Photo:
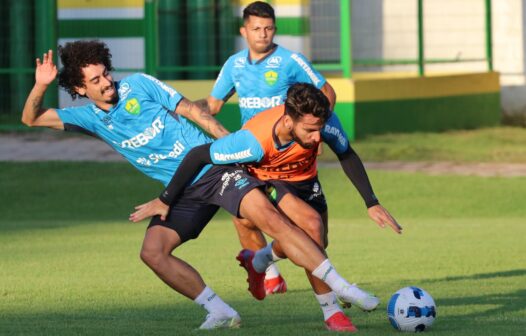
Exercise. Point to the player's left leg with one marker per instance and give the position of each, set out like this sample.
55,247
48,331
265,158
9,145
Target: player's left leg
185,221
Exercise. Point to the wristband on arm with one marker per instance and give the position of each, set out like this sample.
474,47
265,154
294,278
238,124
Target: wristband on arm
353,167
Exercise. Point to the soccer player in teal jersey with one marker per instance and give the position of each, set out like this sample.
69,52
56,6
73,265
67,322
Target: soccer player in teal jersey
145,120
261,76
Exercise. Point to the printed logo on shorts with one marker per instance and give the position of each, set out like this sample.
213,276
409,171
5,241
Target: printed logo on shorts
237,176
316,191
271,192
133,107
271,77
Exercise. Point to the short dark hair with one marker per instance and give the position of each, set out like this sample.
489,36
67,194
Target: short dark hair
77,55
304,98
259,9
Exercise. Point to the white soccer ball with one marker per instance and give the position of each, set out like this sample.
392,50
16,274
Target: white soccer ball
411,309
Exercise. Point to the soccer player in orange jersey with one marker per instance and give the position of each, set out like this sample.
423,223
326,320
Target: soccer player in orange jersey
280,146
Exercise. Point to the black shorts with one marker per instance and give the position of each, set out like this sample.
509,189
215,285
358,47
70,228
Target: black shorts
309,191
220,186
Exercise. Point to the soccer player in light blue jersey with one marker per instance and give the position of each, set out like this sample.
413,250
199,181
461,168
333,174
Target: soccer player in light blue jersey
261,76
146,121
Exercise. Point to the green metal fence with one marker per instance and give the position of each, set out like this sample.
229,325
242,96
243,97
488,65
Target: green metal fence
190,39
421,60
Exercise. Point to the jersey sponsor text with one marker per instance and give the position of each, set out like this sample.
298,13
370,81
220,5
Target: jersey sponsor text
315,80
234,156
335,131
260,102
163,86
143,138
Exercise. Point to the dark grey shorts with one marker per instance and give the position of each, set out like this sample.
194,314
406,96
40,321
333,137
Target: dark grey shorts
309,191
220,186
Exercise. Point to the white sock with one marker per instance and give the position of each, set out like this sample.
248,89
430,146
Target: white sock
327,273
328,304
272,272
263,258
213,303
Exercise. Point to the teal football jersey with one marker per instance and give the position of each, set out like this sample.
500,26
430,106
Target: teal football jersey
142,126
263,84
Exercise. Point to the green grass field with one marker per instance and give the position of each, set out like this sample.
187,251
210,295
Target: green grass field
69,259
497,144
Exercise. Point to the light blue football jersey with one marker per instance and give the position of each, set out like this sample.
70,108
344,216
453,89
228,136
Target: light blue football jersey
142,126
263,84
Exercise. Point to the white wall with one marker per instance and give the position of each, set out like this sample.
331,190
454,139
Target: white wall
452,29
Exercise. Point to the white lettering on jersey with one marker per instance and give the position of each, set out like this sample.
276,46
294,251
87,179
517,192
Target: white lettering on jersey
274,62
315,80
163,86
124,90
258,102
335,131
234,156
143,138
155,158
240,62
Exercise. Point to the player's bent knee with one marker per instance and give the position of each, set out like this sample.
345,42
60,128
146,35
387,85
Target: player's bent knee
151,257
313,226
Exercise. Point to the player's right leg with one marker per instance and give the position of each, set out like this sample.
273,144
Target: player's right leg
252,238
185,221
310,221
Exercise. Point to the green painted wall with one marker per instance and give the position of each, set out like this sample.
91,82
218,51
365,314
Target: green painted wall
431,114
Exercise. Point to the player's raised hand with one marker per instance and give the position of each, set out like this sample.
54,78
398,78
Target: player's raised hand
382,217
46,70
153,208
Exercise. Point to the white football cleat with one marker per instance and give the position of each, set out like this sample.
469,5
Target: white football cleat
217,322
354,295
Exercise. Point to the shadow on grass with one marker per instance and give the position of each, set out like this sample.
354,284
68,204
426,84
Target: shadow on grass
480,276
503,315
179,319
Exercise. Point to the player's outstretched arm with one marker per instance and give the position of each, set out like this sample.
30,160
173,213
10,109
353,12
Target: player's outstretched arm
200,114
354,169
33,113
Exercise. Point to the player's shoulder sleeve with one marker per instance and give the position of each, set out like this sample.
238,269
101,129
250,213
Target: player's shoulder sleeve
79,118
154,89
238,147
224,85
334,135
300,70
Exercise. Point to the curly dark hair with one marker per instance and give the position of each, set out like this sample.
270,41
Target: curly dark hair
77,55
260,9
305,98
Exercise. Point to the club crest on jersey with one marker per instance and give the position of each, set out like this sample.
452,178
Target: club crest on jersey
274,62
271,77
133,107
